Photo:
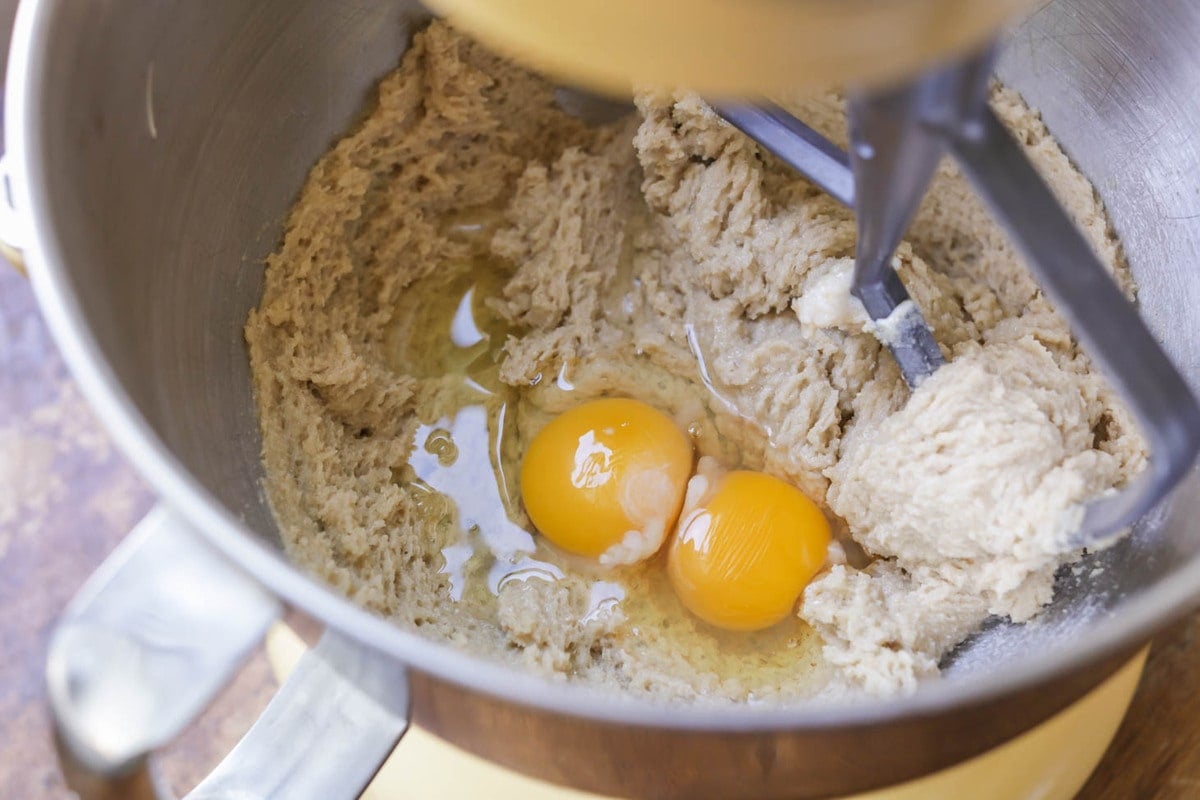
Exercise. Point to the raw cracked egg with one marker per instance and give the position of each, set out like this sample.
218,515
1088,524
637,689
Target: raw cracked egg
745,548
606,479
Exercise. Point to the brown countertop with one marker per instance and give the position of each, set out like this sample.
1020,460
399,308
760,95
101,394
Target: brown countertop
67,497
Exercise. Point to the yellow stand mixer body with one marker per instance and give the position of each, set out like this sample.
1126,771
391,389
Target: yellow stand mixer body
726,48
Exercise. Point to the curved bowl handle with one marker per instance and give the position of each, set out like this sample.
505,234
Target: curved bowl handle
155,633
324,734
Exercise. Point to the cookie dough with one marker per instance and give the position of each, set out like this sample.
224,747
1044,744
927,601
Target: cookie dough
668,258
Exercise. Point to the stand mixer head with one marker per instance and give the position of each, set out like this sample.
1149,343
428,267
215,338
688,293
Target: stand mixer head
732,48
918,73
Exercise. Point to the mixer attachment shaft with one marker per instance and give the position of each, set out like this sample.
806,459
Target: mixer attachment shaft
897,138
893,157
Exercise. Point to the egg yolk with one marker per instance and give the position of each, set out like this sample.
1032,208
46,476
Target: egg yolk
606,479
746,547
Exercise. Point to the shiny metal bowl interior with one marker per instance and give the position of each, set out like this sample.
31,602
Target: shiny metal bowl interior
162,144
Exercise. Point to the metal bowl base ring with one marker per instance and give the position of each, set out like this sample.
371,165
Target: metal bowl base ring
1052,761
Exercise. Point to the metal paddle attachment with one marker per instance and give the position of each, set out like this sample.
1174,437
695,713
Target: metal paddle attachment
897,137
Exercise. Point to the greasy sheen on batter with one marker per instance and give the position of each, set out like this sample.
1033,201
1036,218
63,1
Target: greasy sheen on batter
669,258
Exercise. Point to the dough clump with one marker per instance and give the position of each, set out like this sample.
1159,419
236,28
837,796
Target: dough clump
970,492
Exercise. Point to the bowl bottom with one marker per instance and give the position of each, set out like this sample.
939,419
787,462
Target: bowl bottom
1051,762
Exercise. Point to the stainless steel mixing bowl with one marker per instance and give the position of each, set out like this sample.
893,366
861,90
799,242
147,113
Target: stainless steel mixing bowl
153,151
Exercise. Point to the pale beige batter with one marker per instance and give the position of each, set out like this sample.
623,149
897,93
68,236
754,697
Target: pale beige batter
666,258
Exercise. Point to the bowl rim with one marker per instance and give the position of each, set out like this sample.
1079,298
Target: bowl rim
1131,624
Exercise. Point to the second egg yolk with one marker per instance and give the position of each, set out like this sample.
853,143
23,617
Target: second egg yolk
745,549
606,479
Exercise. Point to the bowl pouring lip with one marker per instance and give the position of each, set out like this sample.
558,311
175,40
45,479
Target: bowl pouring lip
25,112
